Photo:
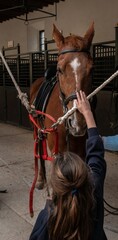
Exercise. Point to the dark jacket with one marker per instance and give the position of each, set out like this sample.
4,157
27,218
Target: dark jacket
95,160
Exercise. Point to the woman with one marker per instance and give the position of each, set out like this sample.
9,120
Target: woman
76,211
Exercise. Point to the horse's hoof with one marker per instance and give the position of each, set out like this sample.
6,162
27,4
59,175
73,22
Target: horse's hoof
40,185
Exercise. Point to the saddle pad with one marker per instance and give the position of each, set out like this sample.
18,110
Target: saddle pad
44,94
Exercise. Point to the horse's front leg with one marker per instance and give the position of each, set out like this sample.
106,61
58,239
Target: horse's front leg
40,172
41,180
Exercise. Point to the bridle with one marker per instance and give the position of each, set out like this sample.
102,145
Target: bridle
70,51
72,96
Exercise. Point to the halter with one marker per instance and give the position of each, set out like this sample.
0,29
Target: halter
72,96
69,51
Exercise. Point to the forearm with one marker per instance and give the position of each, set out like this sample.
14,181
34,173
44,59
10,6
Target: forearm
89,119
95,155
94,144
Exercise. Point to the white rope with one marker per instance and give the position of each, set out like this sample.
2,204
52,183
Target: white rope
72,110
22,96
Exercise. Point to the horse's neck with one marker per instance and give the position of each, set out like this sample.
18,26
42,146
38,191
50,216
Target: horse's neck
34,89
77,145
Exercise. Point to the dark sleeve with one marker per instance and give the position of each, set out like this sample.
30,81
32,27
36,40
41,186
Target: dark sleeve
97,164
40,229
95,156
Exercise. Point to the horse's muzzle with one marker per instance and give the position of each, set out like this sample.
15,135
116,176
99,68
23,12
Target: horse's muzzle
75,128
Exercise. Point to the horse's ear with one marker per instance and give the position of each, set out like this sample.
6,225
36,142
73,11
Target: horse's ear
88,37
58,37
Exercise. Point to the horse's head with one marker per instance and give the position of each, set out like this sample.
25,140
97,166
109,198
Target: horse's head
74,73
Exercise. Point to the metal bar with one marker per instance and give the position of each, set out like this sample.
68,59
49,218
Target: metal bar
39,10
11,8
52,14
4,90
100,43
46,56
31,68
116,46
31,19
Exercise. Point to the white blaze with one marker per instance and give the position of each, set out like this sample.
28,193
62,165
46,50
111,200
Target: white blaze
75,64
75,117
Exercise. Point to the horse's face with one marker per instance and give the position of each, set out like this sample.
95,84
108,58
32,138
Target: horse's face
74,72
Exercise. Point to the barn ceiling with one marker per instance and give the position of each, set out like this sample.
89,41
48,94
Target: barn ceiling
10,9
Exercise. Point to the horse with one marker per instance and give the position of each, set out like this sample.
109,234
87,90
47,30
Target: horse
73,73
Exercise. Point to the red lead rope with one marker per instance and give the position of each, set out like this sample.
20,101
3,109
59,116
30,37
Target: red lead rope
44,146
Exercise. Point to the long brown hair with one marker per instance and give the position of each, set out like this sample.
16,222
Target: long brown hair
71,218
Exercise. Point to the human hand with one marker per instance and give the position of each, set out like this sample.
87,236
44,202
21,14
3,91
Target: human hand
84,107
83,104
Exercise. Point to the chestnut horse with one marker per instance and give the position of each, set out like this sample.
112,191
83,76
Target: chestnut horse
73,73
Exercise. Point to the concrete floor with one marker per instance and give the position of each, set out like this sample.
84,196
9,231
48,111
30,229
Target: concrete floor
16,175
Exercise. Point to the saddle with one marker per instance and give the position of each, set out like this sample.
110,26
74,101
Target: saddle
46,88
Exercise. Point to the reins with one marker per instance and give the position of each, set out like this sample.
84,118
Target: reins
40,149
